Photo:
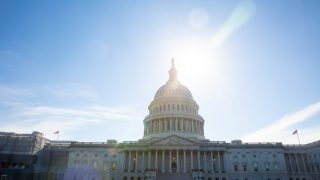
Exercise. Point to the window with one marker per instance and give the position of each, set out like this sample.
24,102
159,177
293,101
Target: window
255,166
113,166
244,167
274,155
105,165
235,167
95,165
267,167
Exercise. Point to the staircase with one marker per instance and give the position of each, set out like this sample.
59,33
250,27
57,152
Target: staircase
174,176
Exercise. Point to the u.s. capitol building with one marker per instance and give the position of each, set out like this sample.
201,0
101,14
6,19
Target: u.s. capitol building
173,147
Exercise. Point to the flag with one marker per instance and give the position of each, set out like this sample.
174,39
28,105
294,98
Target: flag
57,132
295,132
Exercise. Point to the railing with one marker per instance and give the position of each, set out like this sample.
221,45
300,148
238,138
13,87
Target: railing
90,143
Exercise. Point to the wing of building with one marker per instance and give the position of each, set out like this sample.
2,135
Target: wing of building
173,147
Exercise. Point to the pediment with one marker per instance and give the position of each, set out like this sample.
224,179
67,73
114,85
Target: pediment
174,140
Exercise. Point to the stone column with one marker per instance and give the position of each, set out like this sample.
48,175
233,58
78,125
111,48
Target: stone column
212,163
205,161
304,163
219,162
187,125
297,162
191,154
196,127
136,165
178,168
184,161
162,125
142,161
163,151
129,164
182,124
199,166
291,167
156,165
149,159
170,168
165,124
171,129
192,126
176,126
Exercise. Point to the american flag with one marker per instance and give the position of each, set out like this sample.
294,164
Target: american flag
57,132
295,132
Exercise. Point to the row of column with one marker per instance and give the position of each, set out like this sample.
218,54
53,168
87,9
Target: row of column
173,108
132,160
295,164
173,124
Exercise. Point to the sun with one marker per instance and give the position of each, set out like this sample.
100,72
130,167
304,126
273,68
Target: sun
195,61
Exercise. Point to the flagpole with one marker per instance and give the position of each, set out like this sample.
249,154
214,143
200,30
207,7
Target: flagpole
298,137
58,136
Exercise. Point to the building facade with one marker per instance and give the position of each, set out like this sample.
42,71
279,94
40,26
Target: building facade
173,147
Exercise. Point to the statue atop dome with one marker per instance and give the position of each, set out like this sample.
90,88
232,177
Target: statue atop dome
173,72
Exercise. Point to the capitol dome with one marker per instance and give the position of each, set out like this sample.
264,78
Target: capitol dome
173,89
173,112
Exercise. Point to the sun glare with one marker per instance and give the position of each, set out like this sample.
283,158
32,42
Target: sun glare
195,62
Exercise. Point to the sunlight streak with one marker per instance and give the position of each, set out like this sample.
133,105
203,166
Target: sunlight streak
280,130
244,11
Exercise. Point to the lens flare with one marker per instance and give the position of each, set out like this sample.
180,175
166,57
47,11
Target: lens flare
244,11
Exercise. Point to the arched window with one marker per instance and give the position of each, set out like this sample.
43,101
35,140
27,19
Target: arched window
267,166
168,107
114,166
244,166
255,166
275,166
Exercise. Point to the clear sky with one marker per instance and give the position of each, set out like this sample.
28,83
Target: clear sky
90,68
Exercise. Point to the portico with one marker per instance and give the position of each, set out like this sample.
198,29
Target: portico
168,158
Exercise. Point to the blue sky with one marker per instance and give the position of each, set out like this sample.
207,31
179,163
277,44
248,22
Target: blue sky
90,69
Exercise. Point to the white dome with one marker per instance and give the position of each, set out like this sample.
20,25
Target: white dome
173,89
173,111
